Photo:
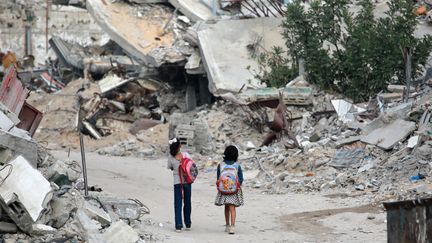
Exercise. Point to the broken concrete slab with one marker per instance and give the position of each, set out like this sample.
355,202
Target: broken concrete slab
394,88
349,140
388,136
194,63
123,208
193,9
344,158
19,146
6,124
389,97
5,155
24,193
136,35
413,141
400,110
291,95
12,116
63,205
8,228
41,229
142,124
120,232
229,73
97,214
111,82
346,110
86,223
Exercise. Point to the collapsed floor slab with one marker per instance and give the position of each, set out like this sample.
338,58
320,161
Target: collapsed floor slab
138,36
19,146
388,136
120,232
240,39
193,9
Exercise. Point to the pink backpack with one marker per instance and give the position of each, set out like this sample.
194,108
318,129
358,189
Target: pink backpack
188,169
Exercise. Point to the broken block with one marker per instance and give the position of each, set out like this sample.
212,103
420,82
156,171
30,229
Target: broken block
97,214
389,135
20,146
8,228
41,229
24,193
120,232
121,208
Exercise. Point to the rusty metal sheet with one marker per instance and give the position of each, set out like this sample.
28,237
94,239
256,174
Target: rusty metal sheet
409,221
12,92
30,118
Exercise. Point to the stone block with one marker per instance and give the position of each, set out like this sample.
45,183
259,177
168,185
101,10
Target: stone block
19,146
120,232
97,213
349,140
389,135
24,193
8,228
226,51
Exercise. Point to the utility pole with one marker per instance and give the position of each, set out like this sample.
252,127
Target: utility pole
407,54
46,25
81,138
28,30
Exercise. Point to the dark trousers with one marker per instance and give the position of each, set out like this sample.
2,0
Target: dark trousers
187,209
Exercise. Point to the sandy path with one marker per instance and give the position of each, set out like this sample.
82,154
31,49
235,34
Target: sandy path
264,218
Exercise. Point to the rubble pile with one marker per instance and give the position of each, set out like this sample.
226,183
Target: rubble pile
380,148
41,198
114,127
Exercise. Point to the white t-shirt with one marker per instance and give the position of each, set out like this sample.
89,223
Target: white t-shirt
173,165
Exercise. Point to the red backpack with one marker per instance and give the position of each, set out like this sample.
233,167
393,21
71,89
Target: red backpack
188,169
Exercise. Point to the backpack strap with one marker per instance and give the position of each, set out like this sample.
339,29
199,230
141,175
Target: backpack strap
180,171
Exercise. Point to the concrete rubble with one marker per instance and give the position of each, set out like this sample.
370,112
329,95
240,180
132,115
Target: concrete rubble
229,73
159,68
38,208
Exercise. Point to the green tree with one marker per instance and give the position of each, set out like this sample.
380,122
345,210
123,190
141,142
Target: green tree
356,54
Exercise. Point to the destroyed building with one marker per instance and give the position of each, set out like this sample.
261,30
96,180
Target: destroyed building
135,73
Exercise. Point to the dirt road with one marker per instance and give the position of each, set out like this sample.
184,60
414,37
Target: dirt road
264,218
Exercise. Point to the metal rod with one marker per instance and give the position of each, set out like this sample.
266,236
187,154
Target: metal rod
83,159
46,26
169,21
408,72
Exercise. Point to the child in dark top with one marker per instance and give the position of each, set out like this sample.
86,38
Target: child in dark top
230,201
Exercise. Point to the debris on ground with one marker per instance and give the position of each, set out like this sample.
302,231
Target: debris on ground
150,70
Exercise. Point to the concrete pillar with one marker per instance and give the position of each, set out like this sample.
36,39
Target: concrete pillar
191,100
205,97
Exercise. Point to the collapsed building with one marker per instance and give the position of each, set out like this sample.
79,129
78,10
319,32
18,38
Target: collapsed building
147,65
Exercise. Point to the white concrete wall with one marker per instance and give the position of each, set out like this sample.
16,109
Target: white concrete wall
70,23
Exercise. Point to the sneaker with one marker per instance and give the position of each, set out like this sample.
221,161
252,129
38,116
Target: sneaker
227,228
178,230
188,227
231,230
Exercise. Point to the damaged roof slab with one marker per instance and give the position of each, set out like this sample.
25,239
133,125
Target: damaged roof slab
229,73
193,9
137,36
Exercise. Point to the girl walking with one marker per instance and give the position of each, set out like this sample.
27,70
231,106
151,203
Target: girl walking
182,190
229,181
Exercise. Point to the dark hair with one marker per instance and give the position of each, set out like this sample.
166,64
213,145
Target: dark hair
174,147
231,153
